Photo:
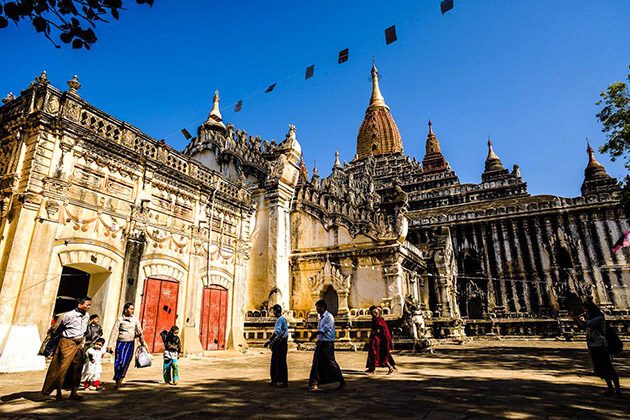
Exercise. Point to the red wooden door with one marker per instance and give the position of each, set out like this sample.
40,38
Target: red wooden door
213,318
159,310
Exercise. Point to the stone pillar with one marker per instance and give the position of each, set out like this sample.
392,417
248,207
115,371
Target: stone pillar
131,270
19,334
392,274
279,246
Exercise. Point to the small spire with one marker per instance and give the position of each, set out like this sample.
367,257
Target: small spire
315,171
74,84
337,163
594,168
215,118
493,162
377,98
433,159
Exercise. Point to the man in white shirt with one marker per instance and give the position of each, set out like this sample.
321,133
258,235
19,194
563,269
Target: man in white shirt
325,369
67,362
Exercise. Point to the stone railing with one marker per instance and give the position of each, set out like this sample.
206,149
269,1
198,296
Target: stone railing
76,111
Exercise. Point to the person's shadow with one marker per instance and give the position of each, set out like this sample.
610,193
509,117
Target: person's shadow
36,396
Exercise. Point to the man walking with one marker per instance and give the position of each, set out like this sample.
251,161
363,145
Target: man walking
325,369
67,361
279,347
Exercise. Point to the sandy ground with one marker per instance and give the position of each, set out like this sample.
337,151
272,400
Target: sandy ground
507,379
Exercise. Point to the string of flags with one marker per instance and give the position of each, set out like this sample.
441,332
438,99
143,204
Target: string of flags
344,55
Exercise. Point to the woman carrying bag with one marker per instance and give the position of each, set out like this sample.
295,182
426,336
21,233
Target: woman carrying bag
124,334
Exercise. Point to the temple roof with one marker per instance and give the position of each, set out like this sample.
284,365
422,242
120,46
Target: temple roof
378,134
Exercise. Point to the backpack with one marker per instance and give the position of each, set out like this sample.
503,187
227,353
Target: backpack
615,345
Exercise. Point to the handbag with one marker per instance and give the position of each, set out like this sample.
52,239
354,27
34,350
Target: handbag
143,358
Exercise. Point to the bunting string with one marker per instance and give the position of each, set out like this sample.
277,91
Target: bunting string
344,55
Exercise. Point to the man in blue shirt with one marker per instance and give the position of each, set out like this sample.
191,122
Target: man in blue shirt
325,369
279,348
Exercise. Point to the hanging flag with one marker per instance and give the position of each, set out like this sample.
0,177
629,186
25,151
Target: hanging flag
446,5
238,106
309,71
343,56
623,242
390,35
270,88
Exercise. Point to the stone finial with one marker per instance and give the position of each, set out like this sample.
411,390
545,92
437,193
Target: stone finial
291,133
10,96
42,78
315,171
337,164
74,84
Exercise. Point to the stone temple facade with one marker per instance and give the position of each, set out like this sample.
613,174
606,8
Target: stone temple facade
209,238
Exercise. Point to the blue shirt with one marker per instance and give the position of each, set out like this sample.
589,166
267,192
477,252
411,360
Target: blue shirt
326,327
281,328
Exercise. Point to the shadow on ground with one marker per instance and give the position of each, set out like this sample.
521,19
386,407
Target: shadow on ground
407,394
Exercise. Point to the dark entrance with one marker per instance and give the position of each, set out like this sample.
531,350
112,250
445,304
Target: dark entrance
73,286
330,296
475,307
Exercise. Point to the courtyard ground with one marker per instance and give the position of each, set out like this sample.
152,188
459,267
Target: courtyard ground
510,379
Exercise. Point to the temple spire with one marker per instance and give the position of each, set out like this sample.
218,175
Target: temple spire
377,97
215,118
337,164
493,162
596,179
594,169
433,159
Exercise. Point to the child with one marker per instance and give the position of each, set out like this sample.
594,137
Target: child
92,369
172,350
93,332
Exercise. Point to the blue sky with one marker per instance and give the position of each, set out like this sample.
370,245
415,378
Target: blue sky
525,72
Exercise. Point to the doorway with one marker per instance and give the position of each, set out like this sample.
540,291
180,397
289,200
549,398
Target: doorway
159,310
330,296
214,310
74,285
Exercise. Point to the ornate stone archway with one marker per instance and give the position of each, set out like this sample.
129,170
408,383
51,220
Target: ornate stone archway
330,275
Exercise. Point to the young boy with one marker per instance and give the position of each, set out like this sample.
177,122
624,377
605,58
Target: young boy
94,331
172,350
92,369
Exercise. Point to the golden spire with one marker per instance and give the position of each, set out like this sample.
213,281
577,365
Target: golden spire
594,168
377,97
432,144
378,133
215,114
